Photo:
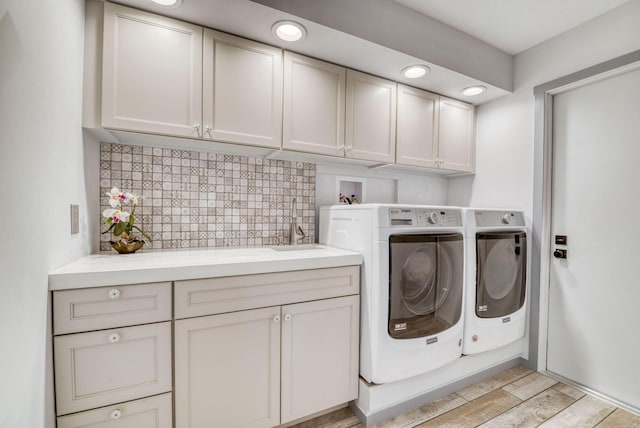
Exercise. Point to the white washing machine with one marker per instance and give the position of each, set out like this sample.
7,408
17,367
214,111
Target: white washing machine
496,290
412,284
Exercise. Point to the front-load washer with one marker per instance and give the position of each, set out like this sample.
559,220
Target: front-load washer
412,284
496,290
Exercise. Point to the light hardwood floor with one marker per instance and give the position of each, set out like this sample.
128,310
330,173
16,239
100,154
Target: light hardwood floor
517,397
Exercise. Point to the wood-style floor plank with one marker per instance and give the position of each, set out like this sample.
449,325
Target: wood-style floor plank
424,413
494,382
569,390
532,412
587,412
530,385
341,418
620,419
474,413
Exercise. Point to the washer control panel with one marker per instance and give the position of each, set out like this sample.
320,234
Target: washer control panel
424,217
499,218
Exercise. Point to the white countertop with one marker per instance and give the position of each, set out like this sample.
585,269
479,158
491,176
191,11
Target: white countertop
154,266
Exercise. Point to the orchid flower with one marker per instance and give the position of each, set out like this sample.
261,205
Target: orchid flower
115,215
121,222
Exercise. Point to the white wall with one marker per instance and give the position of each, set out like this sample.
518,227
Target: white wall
41,174
504,165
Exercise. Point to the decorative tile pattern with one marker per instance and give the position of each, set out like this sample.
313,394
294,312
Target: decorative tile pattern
199,199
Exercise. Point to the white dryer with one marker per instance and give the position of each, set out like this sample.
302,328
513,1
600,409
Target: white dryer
412,284
496,289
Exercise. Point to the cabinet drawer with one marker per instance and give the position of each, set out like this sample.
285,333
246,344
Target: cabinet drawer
235,293
152,412
109,366
108,307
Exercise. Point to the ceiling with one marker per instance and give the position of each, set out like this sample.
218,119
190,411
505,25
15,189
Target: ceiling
382,37
512,26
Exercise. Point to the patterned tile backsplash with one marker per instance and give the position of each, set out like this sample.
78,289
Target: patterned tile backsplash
199,199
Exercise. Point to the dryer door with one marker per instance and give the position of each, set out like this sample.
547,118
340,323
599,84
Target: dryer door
501,273
425,284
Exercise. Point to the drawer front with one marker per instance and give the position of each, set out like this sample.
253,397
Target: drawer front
152,412
235,293
109,366
108,307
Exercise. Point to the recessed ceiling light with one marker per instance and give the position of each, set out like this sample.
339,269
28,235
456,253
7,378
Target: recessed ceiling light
168,3
289,31
473,90
415,71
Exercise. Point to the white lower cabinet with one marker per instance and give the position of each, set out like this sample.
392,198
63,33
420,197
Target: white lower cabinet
264,367
319,356
152,412
109,366
227,370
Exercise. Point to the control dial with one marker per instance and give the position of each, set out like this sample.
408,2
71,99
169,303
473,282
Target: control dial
506,219
432,218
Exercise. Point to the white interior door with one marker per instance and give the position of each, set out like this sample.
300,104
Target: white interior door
594,293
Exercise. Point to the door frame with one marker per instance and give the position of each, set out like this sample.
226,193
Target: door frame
543,192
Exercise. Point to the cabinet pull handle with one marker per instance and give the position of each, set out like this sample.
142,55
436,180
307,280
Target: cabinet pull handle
114,294
113,338
276,318
116,414
287,317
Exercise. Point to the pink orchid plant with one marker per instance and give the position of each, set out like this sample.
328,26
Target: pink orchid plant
121,222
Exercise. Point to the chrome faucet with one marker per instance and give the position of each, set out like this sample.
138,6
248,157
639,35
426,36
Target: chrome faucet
295,231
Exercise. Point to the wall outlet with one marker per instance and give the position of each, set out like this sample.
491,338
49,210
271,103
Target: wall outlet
75,219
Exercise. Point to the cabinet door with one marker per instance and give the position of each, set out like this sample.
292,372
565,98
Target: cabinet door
152,73
227,370
109,366
319,355
242,91
456,142
417,135
314,97
152,412
370,118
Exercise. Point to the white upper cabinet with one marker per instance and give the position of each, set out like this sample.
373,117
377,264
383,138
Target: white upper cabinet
434,131
314,98
417,136
456,136
242,91
370,118
152,73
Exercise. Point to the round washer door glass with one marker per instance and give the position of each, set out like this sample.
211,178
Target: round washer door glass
422,289
501,273
426,278
501,269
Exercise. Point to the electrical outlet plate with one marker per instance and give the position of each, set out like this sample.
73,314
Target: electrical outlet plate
75,219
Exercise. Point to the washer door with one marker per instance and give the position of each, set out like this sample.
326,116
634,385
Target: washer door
501,273
425,284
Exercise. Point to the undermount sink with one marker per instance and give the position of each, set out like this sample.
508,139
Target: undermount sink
295,247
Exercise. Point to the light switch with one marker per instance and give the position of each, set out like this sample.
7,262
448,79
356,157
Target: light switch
75,219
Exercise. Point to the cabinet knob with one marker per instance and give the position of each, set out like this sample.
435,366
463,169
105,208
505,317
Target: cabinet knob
114,294
116,414
113,338
349,149
342,148
287,317
276,318
196,127
208,129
